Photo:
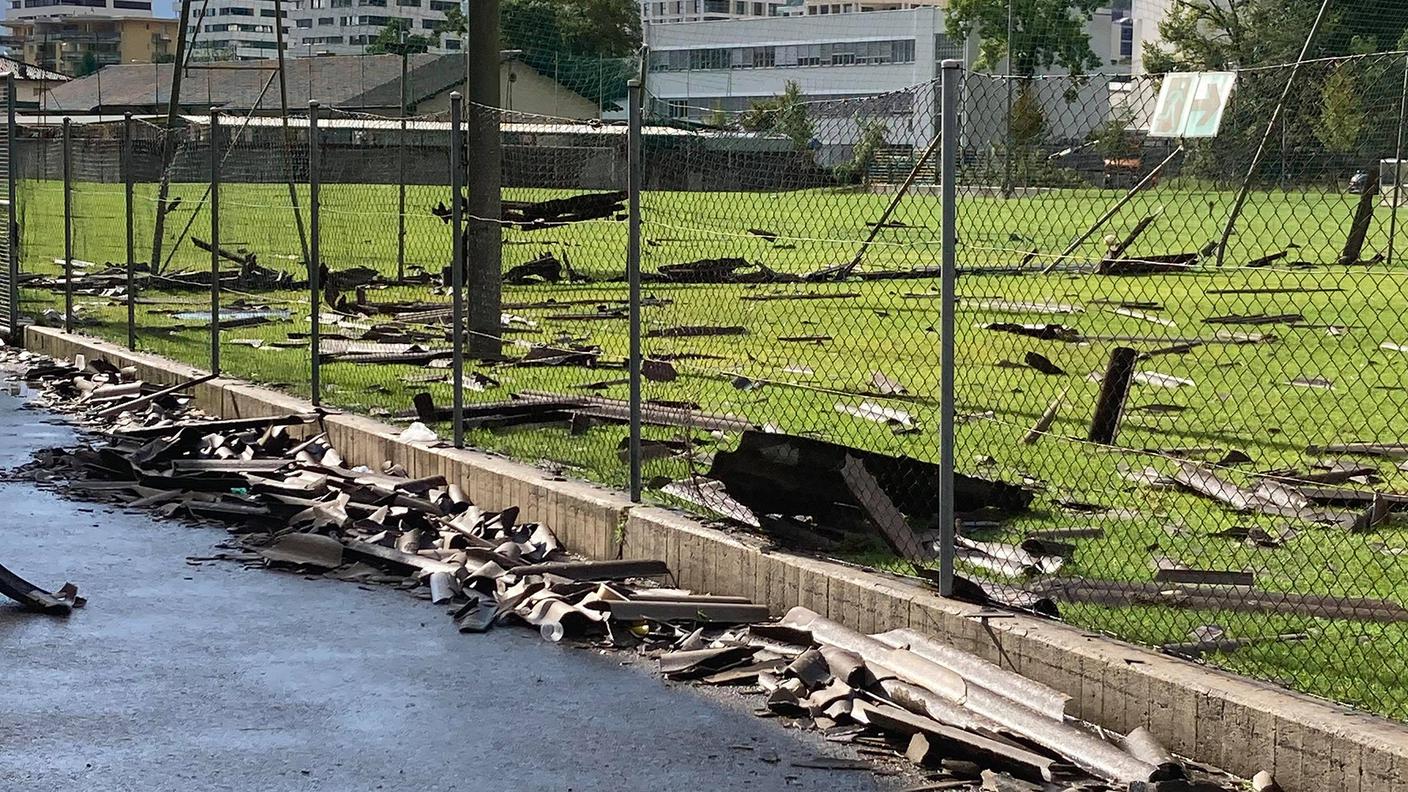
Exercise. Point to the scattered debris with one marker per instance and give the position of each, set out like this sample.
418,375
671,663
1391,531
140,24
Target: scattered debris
772,473
1045,332
1114,389
1157,380
720,270
695,331
898,420
1144,317
544,269
886,385
418,432
1047,418
529,215
1228,598
57,603
1255,319
1205,642
1169,571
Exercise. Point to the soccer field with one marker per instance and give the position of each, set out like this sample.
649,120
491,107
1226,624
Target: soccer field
1270,391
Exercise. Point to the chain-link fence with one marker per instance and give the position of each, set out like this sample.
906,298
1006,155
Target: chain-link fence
1180,364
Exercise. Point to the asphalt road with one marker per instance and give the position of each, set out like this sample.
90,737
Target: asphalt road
217,677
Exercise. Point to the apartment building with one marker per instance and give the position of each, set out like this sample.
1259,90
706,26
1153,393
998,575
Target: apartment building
665,12
79,44
346,27
702,68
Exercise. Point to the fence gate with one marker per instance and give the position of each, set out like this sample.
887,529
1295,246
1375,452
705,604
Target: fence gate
9,240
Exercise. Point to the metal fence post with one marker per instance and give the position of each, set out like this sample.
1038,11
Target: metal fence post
1398,167
12,211
401,174
214,242
127,185
315,256
68,225
952,73
633,168
401,205
457,261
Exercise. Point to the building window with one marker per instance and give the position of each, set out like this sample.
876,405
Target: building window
946,48
132,5
851,53
678,108
304,23
452,44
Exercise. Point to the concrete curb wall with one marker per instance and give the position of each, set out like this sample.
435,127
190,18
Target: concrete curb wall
1211,716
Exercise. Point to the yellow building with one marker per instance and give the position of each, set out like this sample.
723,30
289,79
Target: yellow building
79,45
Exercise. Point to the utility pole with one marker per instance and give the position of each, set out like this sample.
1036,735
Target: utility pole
484,237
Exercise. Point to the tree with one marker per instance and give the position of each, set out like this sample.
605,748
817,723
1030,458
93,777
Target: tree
88,65
1028,120
870,138
587,45
1045,33
1343,118
1113,139
786,115
453,24
1324,110
396,39
1200,35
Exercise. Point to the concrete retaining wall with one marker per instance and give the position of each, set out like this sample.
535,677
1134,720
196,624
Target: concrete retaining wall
1210,716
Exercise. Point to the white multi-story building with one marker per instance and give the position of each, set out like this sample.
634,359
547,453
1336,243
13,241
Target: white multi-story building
25,9
236,30
244,29
1145,16
346,27
666,12
700,69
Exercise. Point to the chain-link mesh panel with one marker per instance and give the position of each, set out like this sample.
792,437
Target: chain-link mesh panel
40,216
564,319
386,249
1213,440
790,289
263,250
99,217
171,181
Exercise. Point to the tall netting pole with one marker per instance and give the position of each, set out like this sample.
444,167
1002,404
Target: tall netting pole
401,176
68,225
485,181
315,263
1241,201
952,74
12,210
131,220
214,241
457,263
633,167
1398,167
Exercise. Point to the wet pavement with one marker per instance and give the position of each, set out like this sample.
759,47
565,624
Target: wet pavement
216,677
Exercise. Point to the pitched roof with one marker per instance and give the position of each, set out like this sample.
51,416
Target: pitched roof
27,71
347,81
